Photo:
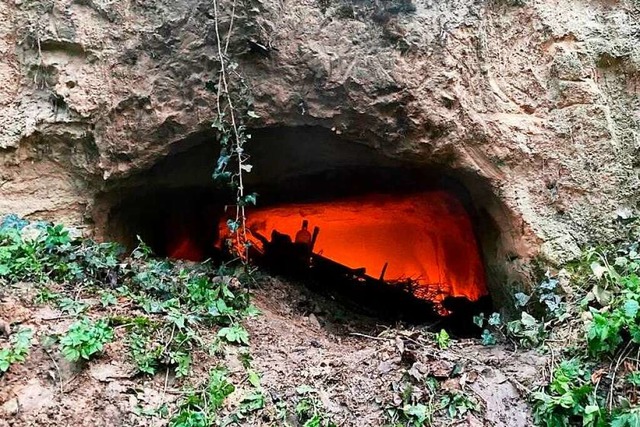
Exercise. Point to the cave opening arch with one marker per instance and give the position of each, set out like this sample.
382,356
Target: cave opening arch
313,170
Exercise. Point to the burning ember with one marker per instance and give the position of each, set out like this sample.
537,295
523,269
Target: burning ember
423,239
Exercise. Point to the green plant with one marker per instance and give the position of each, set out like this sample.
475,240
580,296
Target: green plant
235,334
570,399
199,408
614,300
309,409
252,402
107,299
620,318
146,353
18,349
416,415
548,294
45,295
528,331
628,417
182,360
494,322
178,305
71,306
546,302
443,340
85,338
457,404
20,259
611,308
38,252
415,404
488,338
634,378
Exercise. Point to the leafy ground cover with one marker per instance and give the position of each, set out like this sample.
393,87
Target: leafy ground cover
136,340
165,313
593,381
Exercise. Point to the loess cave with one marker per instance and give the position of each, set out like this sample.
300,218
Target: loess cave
397,239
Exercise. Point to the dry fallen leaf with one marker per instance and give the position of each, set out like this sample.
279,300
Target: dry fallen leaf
595,377
441,369
452,384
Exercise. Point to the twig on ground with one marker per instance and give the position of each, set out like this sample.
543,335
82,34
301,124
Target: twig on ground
622,356
57,369
64,316
357,334
72,379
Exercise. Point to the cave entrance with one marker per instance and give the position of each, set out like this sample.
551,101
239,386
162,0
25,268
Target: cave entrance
405,240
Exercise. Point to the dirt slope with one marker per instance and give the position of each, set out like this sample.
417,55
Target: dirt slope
358,369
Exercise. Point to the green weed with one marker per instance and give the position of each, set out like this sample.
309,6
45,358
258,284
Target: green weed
200,408
309,410
569,399
443,340
457,404
17,350
611,307
85,339
235,334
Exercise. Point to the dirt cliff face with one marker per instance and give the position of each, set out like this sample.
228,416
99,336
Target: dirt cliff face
541,100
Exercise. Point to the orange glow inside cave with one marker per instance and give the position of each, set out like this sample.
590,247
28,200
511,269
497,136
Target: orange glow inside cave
426,238
184,248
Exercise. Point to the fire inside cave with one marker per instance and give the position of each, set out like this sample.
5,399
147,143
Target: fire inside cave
425,240
418,249
404,242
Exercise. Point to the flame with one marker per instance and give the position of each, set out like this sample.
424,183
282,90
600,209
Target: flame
426,237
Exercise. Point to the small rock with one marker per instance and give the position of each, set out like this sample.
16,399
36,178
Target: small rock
314,321
35,396
624,213
11,407
451,384
387,366
106,372
5,328
418,371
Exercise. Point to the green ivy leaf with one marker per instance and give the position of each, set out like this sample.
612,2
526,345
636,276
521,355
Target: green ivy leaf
495,319
233,225
418,412
631,308
443,340
234,334
488,338
479,320
521,299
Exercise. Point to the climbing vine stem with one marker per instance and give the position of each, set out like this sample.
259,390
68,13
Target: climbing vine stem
232,163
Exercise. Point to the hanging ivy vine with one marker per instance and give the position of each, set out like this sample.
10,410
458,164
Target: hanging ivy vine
233,105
